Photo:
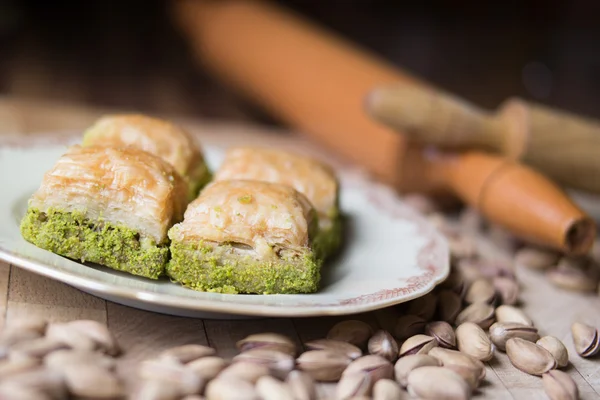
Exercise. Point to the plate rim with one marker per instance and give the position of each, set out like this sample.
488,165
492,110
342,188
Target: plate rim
424,283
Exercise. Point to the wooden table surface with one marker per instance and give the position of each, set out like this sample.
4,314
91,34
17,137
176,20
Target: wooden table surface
143,334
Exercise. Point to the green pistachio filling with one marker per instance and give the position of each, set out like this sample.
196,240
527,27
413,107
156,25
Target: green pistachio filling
328,241
221,269
72,235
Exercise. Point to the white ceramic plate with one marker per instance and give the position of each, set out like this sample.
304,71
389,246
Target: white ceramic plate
391,254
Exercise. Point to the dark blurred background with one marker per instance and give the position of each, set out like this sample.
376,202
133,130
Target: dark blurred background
128,54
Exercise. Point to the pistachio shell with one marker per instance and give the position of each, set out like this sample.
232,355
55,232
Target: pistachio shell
280,364
92,381
556,348
448,384
500,332
351,331
442,332
164,370
481,291
383,344
41,380
506,313
418,344
358,383
529,357
269,388
208,367
406,364
323,365
574,277
449,306
377,367
452,357
268,340
408,325
470,375
186,353
559,386
535,258
301,385
423,307
507,288
245,371
480,313
337,346
99,333
473,340
230,389
387,389
585,339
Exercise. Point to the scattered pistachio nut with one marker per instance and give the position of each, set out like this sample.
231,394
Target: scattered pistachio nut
15,392
358,383
480,313
269,388
346,348
536,258
377,367
560,386
418,344
269,340
207,367
323,365
155,390
556,348
501,332
407,326
449,306
383,344
442,332
186,353
585,339
506,313
36,348
434,383
507,288
42,380
280,364
574,276
92,381
529,357
470,375
481,291
351,331
387,389
470,270
406,364
230,389
423,307
98,332
472,340
452,357
302,385
166,370
245,371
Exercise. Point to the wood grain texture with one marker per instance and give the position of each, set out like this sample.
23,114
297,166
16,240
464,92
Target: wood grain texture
4,277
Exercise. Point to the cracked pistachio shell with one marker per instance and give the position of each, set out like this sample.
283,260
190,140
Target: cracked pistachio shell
245,371
230,389
473,340
387,389
383,344
358,383
269,388
187,353
351,331
480,313
470,375
418,344
585,339
280,364
437,383
302,385
323,365
508,289
481,291
529,357
268,340
501,332
559,386
442,332
535,258
337,346
452,357
377,367
556,348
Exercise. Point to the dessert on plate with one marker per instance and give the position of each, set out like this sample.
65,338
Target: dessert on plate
108,205
156,136
245,236
308,176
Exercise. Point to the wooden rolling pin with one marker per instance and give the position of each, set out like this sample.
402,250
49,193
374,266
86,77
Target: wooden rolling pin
317,83
564,146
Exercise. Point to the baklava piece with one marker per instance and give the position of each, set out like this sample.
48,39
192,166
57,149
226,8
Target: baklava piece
110,206
242,236
310,177
155,136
